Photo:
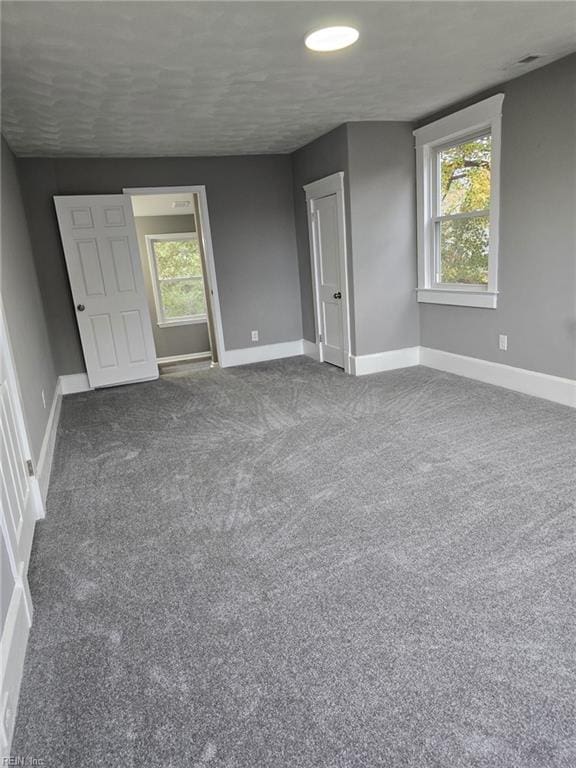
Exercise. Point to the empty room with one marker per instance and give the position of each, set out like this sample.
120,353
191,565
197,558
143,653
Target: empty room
288,384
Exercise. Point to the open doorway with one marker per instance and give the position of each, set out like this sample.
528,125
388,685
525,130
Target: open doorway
177,263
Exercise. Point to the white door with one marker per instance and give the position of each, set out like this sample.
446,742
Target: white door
103,261
21,506
327,259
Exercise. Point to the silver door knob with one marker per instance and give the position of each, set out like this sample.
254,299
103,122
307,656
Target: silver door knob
337,295
80,307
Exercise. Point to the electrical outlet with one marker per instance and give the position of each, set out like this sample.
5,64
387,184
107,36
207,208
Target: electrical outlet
503,342
254,335
43,399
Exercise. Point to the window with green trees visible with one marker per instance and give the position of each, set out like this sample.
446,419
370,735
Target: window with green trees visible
462,221
178,278
458,202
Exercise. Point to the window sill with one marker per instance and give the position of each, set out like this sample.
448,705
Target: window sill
187,321
463,297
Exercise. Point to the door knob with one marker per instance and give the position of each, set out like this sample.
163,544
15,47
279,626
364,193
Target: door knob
337,295
80,307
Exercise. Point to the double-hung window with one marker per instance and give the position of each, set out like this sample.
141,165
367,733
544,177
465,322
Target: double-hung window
177,278
458,166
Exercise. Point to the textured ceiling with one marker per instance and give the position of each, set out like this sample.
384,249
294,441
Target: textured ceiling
188,78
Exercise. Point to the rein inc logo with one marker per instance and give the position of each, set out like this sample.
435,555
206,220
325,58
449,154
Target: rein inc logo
22,760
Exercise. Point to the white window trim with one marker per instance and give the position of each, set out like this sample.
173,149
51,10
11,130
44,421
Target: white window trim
161,321
485,115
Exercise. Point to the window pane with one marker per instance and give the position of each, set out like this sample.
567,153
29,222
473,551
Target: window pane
177,258
465,176
183,298
464,250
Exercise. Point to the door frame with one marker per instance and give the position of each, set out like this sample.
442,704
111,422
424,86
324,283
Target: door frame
200,191
19,613
12,379
330,185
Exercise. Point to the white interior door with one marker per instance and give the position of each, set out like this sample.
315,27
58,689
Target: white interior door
327,258
21,506
103,261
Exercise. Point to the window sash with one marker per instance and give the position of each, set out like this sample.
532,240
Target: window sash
436,173
180,279
436,217
436,251
158,281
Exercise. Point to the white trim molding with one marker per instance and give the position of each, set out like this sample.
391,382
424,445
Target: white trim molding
483,299
554,388
13,645
329,185
44,465
361,365
184,358
73,383
485,117
261,353
310,349
201,211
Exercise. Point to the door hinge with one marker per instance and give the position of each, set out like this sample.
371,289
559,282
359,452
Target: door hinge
30,467
320,337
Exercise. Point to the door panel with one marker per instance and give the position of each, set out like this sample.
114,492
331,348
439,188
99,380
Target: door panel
107,284
327,245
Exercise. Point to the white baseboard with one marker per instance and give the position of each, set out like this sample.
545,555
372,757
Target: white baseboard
184,358
44,466
73,383
261,353
310,349
360,365
554,388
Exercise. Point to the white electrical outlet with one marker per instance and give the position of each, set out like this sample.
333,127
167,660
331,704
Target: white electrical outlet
254,335
43,399
503,342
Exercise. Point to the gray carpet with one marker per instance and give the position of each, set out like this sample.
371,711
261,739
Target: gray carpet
280,566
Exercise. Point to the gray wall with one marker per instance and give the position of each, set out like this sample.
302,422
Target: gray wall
383,232
537,263
23,309
378,162
179,339
252,221
322,157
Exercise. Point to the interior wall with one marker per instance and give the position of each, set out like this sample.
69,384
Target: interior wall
382,191
322,157
252,222
178,339
24,309
379,165
537,260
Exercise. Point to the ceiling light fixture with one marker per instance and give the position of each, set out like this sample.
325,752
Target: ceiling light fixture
331,38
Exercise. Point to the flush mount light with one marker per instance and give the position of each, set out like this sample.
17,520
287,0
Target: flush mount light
331,38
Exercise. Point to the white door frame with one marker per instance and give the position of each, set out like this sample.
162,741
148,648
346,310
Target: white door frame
14,633
200,191
330,185
18,412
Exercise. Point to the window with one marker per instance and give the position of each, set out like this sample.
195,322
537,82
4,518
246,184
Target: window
177,278
458,163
